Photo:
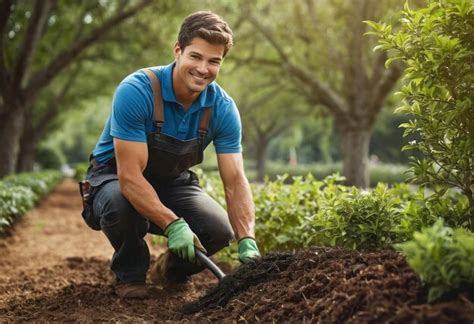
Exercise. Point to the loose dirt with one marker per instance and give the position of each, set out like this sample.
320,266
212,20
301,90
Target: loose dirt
54,268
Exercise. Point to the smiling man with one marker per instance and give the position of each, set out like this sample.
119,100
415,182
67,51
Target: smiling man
139,180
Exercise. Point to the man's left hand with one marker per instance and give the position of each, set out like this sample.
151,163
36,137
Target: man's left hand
248,250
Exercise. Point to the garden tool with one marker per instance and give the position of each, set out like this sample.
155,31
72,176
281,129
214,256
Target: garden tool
208,263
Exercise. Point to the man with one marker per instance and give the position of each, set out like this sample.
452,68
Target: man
162,119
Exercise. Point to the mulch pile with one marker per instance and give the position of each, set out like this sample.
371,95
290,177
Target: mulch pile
327,285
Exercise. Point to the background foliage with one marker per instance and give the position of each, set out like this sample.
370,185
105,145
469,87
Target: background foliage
282,120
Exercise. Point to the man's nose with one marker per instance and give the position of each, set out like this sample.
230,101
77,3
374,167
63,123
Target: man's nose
202,67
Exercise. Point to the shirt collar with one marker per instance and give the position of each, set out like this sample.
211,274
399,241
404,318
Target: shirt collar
205,98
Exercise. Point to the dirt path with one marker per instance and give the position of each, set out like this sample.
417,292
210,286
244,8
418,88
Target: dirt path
53,267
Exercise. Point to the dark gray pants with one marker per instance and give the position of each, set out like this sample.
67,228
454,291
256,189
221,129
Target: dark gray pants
125,228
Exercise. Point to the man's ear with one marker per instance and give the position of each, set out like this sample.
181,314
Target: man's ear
177,50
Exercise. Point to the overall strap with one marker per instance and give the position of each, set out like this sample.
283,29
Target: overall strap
158,101
204,125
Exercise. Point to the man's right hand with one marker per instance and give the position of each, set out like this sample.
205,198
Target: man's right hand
182,241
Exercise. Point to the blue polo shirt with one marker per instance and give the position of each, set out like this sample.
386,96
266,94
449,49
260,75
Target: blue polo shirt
133,115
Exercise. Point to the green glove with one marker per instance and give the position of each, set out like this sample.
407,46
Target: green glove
182,241
248,250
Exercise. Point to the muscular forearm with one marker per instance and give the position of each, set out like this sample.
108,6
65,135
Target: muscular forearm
143,197
241,208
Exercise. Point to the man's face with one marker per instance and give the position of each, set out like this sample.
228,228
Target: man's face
196,66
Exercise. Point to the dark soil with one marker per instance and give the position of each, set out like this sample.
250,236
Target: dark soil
328,285
53,268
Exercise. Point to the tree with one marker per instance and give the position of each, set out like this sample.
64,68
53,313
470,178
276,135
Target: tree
322,50
41,118
43,39
265,118
437,44
267,109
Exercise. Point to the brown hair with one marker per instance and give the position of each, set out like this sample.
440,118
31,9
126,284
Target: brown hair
208,26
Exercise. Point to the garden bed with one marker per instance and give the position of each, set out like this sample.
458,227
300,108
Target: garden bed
56,269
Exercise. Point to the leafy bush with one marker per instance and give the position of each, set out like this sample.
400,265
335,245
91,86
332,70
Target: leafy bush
14,202
19,193
442,257
39,182
421,210
283,210
309,212
436,43
369,218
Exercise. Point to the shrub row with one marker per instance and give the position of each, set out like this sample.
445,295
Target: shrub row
326,213
310,212
19,193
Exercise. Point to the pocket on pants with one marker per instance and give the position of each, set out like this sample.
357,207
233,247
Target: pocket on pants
91,221
96,181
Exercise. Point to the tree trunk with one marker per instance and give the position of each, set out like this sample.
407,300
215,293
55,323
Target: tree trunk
355,151
471,209
11,126
262,143
27,153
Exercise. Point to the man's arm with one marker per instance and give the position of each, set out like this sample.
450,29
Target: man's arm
240,206
132,158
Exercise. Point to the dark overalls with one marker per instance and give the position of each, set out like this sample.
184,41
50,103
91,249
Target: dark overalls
167,170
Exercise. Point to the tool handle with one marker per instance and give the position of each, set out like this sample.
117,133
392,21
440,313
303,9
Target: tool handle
210,265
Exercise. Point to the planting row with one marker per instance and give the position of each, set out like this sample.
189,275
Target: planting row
19,193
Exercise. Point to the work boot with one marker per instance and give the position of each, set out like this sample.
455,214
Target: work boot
160,269
161,274
137,290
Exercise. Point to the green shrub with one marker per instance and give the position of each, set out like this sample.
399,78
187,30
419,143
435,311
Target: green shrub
19,193
40,183
436,43
369,218
304,212
326,213
14,202
282,210
421,210
442,257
